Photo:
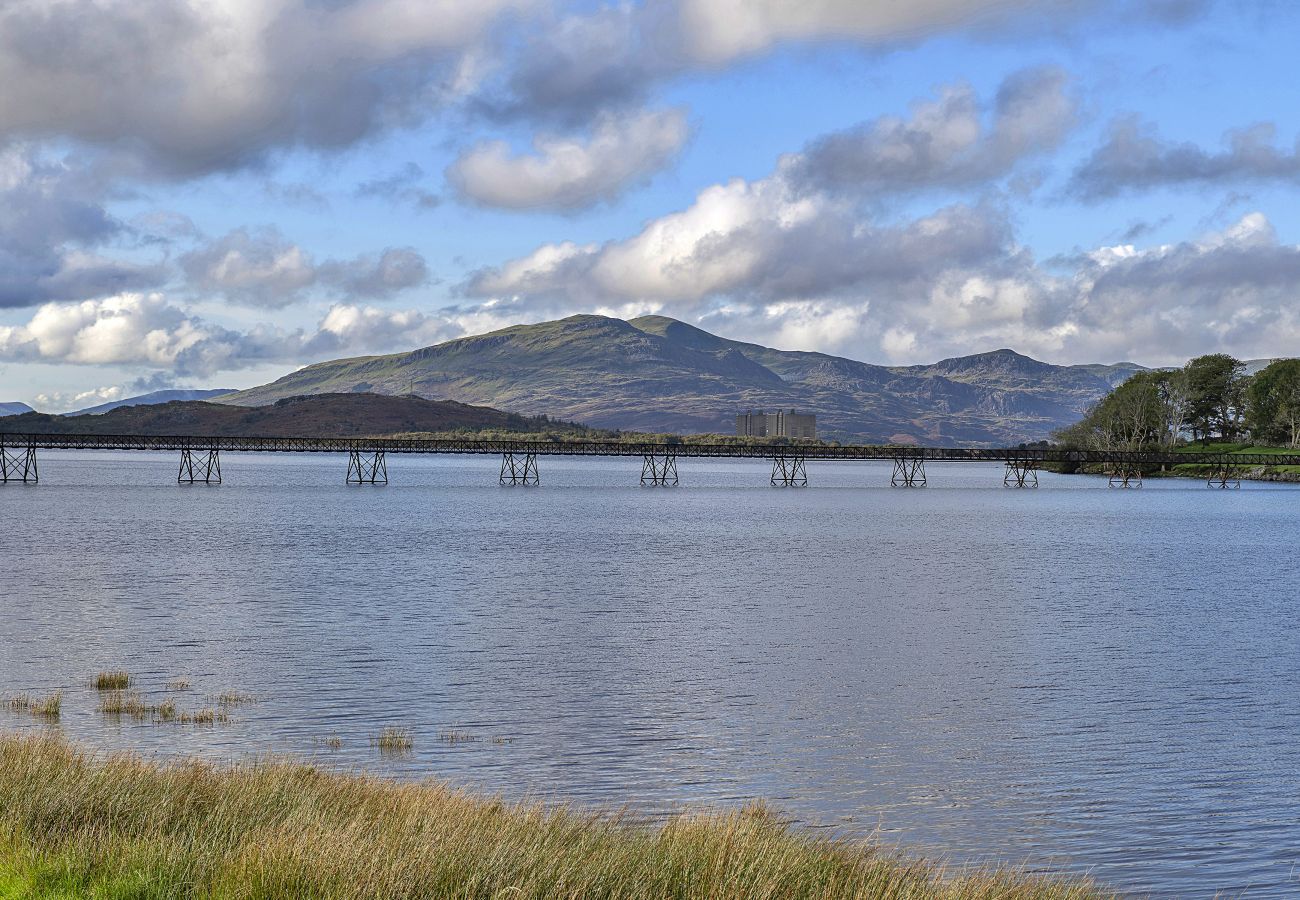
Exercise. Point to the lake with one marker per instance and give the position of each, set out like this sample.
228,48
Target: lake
1075,678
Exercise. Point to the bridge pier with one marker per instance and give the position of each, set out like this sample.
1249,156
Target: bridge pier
789,472
207,469
659,471
909,471
1224,476
367,468
1125,476
1021,473
515,471
19,465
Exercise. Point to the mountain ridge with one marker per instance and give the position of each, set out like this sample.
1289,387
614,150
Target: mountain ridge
654,373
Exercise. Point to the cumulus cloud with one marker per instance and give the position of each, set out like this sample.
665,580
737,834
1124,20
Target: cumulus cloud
264,268
609,56
193,87
1134,158
568,173
720,30
393,271
946,141
52,220
260,268
153,333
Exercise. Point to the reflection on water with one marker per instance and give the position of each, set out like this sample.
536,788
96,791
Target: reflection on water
1075,677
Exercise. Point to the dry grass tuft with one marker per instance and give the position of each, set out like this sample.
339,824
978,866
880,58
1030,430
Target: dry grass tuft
47,707
393,740
112,681
74,824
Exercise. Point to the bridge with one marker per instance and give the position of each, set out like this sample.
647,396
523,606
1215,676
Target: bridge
200,457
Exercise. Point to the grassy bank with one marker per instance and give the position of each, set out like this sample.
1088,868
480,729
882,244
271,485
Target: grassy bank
73,824
1264,473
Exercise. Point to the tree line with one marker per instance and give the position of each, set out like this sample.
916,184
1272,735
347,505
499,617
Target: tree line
1209,399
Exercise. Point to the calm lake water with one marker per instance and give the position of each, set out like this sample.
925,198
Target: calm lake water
1074,677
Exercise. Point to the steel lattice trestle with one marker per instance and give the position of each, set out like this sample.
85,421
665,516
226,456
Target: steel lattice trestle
19,465
659,470
789,472
514,471
1021,473
1224,476
207,470
909,471
367,468
1125,476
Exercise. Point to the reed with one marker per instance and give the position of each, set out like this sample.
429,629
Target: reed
76,824
393,740
47,707
112,681
234,698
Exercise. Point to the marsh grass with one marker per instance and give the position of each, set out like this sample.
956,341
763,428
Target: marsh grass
204,716
116,680
393,740
75,824
123,703
47,707
234,698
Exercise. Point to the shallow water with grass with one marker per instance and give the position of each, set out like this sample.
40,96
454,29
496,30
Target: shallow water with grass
1073,678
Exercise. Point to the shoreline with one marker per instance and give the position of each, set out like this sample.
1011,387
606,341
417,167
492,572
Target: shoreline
75,822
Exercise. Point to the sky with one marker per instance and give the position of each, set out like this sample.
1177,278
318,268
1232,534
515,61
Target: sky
212,194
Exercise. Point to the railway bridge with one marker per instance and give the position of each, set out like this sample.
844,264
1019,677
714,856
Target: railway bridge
367,458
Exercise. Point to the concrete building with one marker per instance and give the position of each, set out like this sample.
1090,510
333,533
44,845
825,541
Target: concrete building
781,423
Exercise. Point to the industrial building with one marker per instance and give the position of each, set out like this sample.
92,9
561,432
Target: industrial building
781,423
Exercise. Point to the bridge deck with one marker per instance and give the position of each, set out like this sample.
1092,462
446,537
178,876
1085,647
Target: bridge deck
617,448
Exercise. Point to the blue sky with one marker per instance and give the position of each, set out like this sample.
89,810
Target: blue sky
211,195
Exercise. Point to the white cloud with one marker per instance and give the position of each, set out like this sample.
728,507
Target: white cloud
570,173
195,86
263,268
720,30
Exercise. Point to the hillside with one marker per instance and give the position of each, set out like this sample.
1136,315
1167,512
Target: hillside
657,374
14,408
150,399
331,415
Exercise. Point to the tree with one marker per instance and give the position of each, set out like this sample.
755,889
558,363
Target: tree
1131,417
1273,404
1216,395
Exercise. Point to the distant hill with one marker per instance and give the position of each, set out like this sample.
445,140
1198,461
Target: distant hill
658,374
14,409
322,415
150,399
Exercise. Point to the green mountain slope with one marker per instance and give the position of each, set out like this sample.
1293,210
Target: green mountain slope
658,374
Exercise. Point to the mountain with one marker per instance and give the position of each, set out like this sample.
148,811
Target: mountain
658,374
322,415
149,399
14,409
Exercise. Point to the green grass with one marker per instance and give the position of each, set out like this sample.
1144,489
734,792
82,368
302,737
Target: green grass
112,681
74,824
